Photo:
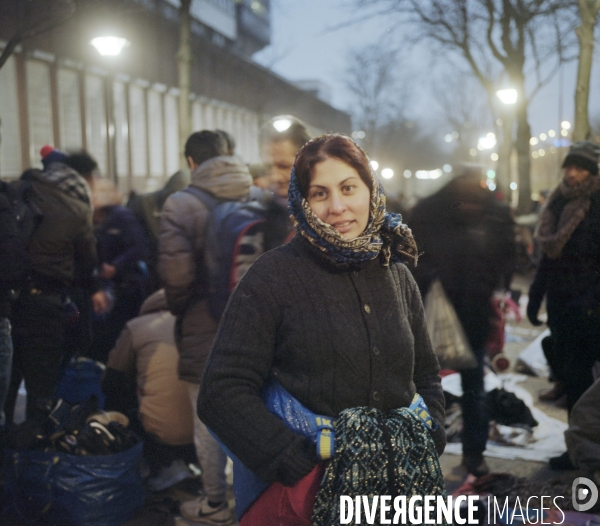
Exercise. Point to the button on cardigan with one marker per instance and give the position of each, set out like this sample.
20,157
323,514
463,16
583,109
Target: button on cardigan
298,317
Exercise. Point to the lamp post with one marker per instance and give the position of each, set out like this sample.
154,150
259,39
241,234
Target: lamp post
111,46
508,97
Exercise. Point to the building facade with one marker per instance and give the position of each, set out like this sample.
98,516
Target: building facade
56,88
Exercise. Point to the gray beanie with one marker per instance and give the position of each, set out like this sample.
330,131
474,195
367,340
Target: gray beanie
584,154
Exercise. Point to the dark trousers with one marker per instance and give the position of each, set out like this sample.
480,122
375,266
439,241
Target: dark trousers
475,415
577,345
159,455
38,333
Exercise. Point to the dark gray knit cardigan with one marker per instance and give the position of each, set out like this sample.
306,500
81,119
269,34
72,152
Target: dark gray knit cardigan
335,339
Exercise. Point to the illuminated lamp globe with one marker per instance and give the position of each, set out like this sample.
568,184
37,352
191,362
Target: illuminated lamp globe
507,96
109,46
282,124
387,173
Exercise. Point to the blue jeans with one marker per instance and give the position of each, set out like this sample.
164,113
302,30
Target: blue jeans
6,354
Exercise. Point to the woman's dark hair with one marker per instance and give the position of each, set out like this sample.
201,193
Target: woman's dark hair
326,147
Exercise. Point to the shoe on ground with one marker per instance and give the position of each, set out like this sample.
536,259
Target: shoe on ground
552,395
169,476
475,464
199,510
561,463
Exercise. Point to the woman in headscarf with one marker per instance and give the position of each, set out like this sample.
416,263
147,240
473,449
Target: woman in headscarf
334,317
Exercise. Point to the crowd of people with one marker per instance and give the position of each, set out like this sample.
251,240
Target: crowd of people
327,312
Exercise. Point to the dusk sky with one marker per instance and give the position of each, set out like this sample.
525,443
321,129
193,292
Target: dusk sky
307,49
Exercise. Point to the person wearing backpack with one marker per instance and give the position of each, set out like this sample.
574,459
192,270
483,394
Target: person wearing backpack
13,263
62,241
215,177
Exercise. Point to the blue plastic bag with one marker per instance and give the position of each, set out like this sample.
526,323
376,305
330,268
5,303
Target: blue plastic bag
103,490
247,487
80,380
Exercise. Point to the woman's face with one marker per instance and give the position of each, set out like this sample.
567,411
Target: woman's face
339,197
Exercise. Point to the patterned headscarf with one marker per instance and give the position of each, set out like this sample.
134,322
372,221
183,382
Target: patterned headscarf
385,234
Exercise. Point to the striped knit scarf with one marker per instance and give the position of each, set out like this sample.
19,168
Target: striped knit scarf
386,235
377,454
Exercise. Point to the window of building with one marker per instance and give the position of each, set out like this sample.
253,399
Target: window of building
197,117
172,134
95,121
69,109
10,137
210,122
137,120
39,106
121,133
156,134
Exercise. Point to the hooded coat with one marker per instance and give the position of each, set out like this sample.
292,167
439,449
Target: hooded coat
63,245
181,257
146,350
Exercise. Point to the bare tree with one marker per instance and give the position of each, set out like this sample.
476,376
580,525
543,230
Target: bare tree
595,126
464,110
378,96
35,17
589,10
184,64
514,39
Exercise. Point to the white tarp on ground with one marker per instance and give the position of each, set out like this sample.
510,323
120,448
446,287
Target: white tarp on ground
533,356
548,436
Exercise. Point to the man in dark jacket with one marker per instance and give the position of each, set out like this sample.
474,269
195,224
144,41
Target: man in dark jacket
63,240
122,252
147,209
467,242
569,273
13,265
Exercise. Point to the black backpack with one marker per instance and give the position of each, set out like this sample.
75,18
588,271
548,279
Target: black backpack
23,203
25,208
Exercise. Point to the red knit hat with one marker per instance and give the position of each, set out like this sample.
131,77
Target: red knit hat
46,150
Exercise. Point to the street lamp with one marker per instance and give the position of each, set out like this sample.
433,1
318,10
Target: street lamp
508,96
487,142
282,124
109,46
387,173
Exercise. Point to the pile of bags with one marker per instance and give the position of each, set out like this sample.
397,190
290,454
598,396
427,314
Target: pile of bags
78,467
